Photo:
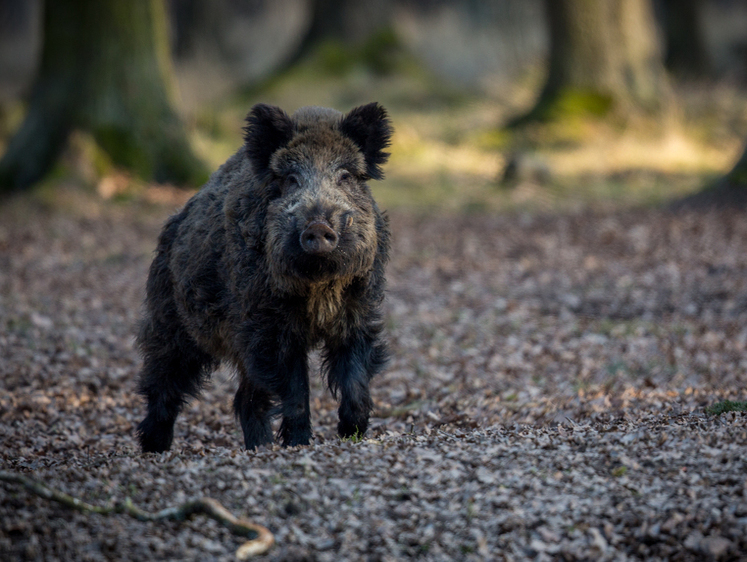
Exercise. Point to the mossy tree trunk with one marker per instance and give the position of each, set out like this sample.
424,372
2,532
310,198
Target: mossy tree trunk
348,22
105,68
686,52
738,176
729,190
604,56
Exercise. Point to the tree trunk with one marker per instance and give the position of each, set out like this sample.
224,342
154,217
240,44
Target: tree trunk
686,52
105,68
604,56
730,190
738,176
348,22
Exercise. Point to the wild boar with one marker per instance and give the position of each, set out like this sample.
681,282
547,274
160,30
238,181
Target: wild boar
282,251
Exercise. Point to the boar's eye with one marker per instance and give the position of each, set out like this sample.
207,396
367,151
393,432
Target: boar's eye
292,181
345,177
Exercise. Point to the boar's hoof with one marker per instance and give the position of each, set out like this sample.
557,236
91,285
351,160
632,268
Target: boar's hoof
155,437
318,238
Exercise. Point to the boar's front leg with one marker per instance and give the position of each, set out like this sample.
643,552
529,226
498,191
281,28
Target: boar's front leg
351,364
278,364
252,406
295,429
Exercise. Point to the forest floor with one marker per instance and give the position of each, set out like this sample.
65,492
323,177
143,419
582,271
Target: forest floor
556,345
546,399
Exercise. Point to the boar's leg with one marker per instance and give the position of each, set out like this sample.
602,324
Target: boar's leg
350,366
279,365
252,406
295,428
173,370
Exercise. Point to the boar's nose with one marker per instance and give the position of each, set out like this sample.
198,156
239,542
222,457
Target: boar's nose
318,238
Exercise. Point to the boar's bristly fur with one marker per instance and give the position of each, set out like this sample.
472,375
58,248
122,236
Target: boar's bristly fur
283,250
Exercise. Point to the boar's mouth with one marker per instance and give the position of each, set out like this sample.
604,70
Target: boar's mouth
316,250
317,267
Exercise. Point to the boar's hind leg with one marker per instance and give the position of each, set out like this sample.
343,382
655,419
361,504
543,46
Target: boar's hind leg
174,369
252,406
350,366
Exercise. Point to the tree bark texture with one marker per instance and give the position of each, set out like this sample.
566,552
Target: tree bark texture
604,55
349,22
686,52
105,68
738,175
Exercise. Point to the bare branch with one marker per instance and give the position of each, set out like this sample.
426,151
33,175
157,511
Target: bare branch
261,543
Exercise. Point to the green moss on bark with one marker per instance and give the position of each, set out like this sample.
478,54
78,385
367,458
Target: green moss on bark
726,406
604,61
570,104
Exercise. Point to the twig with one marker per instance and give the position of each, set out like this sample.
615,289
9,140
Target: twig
207,506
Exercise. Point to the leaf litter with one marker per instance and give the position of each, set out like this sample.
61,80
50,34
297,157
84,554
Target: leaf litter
546,398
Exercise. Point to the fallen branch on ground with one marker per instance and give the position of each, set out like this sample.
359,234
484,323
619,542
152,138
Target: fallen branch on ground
207,506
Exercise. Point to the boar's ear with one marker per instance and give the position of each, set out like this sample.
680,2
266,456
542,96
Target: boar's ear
369,127
268,128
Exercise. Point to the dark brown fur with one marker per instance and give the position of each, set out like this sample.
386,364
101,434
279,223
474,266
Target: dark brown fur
281,251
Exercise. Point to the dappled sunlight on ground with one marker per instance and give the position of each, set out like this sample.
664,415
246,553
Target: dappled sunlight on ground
673,153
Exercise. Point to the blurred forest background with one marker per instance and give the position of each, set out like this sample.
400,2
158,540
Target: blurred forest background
496,103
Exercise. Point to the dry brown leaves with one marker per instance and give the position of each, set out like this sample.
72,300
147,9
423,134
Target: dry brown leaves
545,399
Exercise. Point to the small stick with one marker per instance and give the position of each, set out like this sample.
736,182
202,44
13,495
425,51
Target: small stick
206,506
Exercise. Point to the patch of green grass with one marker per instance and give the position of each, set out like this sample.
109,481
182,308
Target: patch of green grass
726,406
620,471
357,437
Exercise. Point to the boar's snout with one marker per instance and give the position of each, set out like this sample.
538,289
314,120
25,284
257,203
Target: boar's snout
318,238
